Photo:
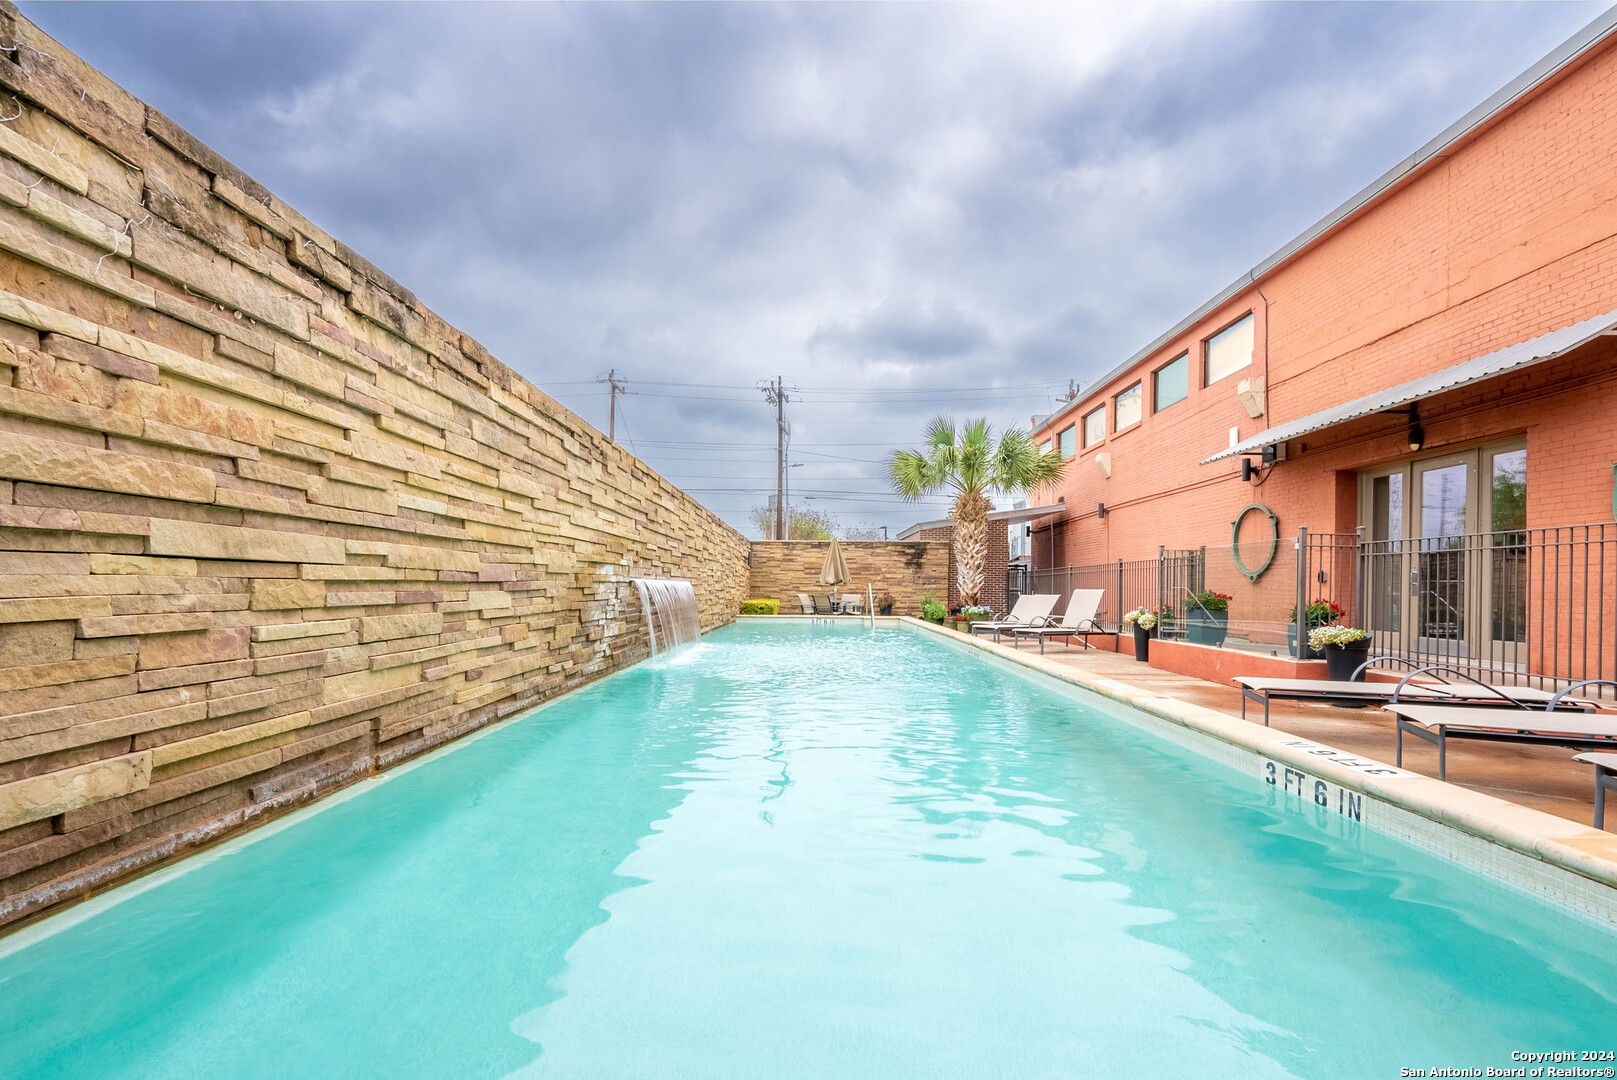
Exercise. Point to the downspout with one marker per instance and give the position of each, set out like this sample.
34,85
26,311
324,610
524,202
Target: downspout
1267,419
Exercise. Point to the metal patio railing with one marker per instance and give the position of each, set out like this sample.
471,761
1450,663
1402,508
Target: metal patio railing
1525,607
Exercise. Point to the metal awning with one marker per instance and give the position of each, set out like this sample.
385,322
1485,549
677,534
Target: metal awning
1028,513
1512,358
1022,513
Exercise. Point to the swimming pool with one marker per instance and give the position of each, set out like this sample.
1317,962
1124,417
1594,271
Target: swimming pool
805,849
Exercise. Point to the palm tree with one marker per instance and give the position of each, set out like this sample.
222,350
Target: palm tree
969,463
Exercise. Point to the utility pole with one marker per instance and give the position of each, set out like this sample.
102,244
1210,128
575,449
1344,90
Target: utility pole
619,386
775,394
1072,390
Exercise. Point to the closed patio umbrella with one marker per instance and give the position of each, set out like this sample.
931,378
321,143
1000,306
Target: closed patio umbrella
835,570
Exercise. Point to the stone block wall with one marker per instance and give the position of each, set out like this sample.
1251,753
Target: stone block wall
267,523
908,569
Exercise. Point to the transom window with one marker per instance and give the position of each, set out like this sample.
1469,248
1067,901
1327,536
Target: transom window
1171,382
1126,408
1094,427
1228,351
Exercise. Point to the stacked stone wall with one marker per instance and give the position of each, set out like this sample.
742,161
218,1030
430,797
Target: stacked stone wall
908,569
267,523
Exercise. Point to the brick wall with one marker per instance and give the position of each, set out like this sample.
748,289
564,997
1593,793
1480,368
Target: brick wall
1501,239
995,564
266,522
908,569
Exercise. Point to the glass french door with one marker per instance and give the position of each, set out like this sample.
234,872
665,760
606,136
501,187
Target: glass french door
1442,559
1445,556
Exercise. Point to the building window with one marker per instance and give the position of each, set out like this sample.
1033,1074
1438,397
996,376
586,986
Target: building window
1095,427
1171,383
1046,446
1067,447
1228,351
1126,409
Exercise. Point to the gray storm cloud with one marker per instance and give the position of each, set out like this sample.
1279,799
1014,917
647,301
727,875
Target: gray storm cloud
905,209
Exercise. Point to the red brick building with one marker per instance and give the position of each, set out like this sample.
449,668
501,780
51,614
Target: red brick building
1425,381
995,566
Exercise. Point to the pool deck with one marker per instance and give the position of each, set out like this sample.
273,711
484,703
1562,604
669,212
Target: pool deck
1541,777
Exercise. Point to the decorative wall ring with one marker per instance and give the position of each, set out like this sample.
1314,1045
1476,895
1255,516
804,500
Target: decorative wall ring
1235,540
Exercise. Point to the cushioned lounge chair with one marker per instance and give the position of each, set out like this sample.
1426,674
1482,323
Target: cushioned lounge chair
1437,724
1030,610
1077,621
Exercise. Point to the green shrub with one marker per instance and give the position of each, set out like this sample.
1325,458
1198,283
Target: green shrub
932,608
760,607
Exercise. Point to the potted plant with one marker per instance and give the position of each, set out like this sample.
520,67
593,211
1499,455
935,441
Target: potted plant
886,603
932,609
1346,648
1144,624
1317,614
1208,617
969,614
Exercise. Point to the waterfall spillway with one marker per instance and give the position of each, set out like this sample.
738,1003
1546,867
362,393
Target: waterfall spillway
670,607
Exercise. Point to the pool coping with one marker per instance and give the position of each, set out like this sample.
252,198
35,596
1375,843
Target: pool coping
1569,865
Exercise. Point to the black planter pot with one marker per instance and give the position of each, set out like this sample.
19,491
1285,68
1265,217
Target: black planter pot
887,609
1341,661
1207,627
1142,643
1291,644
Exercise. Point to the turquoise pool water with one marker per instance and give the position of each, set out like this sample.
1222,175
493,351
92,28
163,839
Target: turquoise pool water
805,850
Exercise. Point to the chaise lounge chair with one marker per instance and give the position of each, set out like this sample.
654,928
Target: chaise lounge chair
808,603
853,604
1078,621
1030,610
1437,724
1477,694
1605,780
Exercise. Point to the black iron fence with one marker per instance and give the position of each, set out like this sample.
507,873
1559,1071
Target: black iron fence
1525,607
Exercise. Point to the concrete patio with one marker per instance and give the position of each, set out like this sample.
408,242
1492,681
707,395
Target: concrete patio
1541,777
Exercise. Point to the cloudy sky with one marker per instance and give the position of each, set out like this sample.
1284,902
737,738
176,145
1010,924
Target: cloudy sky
903,210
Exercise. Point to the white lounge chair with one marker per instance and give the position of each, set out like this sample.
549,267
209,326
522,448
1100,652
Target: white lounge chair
1262,691
1077,621
852,604
1437,724
1605,780
807,602
1030,610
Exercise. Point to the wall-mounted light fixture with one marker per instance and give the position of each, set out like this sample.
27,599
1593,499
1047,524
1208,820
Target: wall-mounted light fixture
1248,470
1417,434
1100,510
1103,462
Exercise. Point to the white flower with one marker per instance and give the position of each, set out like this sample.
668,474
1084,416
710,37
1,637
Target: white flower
1340,636
1146,620
1134,616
